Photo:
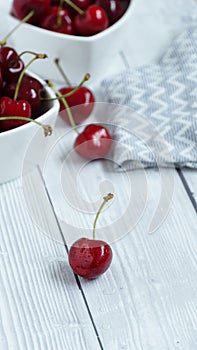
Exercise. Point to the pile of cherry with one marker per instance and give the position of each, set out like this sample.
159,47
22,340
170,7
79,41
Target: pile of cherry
20,93
23,95
74,17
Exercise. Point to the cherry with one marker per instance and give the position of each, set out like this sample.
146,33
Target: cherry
14,107
11,64
30,90
94,142
57,19
113,8
90,258
82,101
92,21
9,107
79,97
20,8
47,128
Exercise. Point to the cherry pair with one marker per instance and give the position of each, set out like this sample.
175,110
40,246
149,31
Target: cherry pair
20,93
76,105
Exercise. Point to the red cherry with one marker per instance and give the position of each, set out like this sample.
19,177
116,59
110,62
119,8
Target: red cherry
20,8
30,90
93,21
11,65
113,8
9,107
94,142
57,20
89,258
83,100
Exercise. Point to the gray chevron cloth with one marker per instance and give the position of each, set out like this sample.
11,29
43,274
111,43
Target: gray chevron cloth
155,109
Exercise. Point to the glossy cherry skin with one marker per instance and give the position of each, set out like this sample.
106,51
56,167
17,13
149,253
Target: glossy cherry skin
82,101
90,258
9,107
11,66
50,21
30,90
20,8
93,21
94,142
113,8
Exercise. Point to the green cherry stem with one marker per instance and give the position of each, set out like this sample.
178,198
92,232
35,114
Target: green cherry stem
67,81
105,200
65,103
25,19
59,18
25,52
37,56
47,128
70,93
75,7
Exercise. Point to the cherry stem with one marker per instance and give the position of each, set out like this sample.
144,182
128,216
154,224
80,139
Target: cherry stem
70,93
65,103
59,18
37,56
75,7
25,19
23,53
47,128
67,81
105,200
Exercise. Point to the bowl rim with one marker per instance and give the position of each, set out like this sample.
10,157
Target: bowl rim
76,38
53,109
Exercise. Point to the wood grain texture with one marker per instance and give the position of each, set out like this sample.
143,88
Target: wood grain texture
191,179
41,305
147,299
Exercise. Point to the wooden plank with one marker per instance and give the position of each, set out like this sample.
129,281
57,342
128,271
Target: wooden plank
190,177
41,304
147,299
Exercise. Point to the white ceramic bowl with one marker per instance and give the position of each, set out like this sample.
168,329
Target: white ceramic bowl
14,143
78,55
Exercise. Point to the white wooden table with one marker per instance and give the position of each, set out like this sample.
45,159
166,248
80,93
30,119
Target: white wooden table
147,299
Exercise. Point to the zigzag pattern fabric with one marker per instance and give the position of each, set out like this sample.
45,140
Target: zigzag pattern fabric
160,125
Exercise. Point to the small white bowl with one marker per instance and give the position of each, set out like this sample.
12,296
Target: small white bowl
79,55
14,143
